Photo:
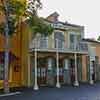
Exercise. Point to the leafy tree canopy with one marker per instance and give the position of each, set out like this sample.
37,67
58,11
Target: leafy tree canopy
38,25
17,10
98,38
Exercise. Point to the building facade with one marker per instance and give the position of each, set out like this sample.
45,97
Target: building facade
61,58
58,59
93,60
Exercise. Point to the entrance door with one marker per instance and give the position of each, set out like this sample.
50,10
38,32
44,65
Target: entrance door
61,74
72,70
66,71
93,70
16,73
42,74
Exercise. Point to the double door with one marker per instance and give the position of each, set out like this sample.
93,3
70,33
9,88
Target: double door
42,74
72,70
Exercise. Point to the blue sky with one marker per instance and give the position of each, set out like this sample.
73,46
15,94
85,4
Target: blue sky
81,12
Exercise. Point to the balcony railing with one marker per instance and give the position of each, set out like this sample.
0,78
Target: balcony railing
43,44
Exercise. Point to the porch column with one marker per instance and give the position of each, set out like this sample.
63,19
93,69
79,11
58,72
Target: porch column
35,84
76,74
57,64
29,70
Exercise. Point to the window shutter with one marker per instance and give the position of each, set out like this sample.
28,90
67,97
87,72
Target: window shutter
96,68
88,67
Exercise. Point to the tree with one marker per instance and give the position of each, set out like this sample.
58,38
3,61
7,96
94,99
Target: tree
11,9
14,11
38,25
98,38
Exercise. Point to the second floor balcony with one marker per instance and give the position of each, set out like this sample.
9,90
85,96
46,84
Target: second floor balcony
54,45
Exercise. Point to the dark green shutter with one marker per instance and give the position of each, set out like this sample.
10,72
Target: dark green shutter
79,65
88,68
96,68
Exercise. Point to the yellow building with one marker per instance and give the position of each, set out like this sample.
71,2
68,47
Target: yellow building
57,59
16,71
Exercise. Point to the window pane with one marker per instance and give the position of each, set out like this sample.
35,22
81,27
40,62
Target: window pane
72,38
60,37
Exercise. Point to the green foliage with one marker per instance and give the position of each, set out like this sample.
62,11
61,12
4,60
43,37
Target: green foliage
38,25
11,25
98,38
16,7
17,10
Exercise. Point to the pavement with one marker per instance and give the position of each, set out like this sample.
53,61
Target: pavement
83,92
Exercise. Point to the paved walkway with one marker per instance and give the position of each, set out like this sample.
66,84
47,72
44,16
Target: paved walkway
84,92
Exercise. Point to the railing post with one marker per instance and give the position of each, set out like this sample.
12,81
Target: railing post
57,64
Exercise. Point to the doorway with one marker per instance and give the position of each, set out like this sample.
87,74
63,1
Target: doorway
72,70
42,72
16,72
93,70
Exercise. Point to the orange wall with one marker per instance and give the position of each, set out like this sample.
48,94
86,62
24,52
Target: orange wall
15,45
1,42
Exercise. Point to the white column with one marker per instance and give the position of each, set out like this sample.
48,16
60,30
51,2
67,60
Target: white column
36,84
76,83
29,70
57,64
